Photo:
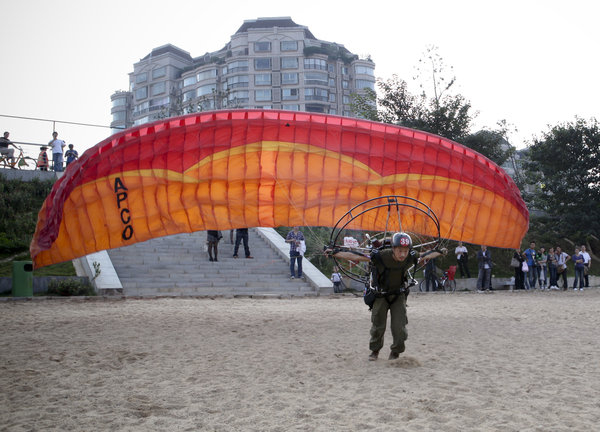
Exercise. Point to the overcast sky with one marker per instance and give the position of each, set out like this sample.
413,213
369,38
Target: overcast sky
533,63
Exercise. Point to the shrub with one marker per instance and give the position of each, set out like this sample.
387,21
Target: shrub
20,202
70,287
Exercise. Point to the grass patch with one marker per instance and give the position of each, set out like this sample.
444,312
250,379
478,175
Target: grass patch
61,269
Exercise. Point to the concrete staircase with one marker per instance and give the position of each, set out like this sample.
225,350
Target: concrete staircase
178,265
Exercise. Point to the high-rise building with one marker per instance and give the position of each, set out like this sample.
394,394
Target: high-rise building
269,63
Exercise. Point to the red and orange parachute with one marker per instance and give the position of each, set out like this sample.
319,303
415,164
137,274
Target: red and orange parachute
246,168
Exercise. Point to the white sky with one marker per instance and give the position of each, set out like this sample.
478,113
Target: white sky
533,63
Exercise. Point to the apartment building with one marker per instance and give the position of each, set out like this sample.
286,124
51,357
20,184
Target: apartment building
269,63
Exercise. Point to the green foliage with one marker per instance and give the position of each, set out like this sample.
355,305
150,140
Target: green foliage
61,269
70,287
97,270
365,105
449,117
332,51
490,143
564,165
435,110
316,238
20,203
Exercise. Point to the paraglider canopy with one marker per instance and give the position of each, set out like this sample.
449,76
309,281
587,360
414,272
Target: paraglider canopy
244,168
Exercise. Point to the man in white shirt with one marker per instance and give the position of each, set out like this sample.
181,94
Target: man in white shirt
462,257
57,147
587,262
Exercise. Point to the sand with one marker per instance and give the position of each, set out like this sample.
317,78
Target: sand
502,361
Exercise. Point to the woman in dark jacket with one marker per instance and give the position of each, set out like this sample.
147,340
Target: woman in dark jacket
519,275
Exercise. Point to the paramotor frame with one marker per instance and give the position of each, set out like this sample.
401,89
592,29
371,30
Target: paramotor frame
421,223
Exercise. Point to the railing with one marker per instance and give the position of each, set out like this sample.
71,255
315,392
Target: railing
27,153
26,159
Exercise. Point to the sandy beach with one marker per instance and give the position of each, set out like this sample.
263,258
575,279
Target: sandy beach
486,362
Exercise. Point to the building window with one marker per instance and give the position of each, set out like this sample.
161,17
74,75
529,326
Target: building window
289,46
119,102
237,98
206,104
313,63
318,78
262,95
291,107
201,76
346,99
206,90
188,96
239,94
141,78
316,94
262,46
141,120
289,62
262,63
362,84
141,109
289,78
331,97
159,72
237,81
315,108
119,116
189,81
345,70
345,84
156,104
365,70
289,94
262,79
236,66
157,88
331,82
332,111
141,93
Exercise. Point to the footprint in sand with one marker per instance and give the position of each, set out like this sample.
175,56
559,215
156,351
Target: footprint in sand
404,363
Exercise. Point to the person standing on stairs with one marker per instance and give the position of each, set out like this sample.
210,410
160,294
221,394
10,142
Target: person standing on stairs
212,238
295,239
241,234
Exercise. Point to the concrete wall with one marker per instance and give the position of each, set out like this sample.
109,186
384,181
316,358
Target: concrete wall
28,175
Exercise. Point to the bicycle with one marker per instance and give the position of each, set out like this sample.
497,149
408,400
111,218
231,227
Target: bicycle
20,161
446,282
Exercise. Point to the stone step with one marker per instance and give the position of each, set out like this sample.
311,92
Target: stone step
179,265
140,283
208,291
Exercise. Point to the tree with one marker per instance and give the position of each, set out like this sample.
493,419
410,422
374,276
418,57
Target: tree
490,143
445,114
365,105
448,117
20,202
565,167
